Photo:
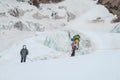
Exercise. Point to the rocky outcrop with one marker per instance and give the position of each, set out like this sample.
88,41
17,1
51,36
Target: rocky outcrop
37,2
47,1
20,26
16,12
113,6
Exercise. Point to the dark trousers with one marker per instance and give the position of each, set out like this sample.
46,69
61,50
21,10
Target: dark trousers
73,52
23,59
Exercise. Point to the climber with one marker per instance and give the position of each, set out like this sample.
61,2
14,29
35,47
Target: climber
75,44
24,53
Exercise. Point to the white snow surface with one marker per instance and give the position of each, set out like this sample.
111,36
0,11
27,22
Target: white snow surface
49,45
102,66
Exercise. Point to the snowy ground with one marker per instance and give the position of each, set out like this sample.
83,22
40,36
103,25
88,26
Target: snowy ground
48,42
102,66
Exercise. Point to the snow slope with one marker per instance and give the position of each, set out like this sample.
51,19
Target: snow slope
95,34
42,45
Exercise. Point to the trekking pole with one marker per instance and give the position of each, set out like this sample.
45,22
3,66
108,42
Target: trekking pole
29,59
69,35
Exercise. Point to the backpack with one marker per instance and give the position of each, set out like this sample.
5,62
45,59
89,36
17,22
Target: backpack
76,36
76,41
